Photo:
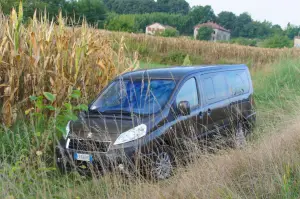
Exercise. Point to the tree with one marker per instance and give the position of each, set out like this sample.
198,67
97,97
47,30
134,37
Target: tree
263,29
131,6
173,6
292,31
276,29
162,5
53,6
30,6
93,10
6,5
242,26
199,14
204,33
277,41
124,23
256,29
227,20
147,6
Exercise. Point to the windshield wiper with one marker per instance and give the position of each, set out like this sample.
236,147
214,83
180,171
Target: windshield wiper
120,112
93,111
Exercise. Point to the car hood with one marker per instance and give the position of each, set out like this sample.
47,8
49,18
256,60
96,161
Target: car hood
105,128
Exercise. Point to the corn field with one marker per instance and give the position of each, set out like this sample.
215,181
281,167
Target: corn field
49,56
210,52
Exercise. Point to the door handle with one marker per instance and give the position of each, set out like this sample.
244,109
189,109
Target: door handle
200,114
209,112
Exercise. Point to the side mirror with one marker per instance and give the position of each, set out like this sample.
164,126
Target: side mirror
184,108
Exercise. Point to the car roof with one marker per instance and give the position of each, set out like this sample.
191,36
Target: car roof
177,72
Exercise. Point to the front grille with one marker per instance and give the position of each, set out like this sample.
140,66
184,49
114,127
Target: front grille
89,145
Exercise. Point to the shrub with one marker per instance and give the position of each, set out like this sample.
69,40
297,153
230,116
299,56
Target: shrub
244,41
170,32
173,57
277,41
187,61
124,23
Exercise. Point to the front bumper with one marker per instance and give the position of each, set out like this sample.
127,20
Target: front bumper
251,120
120,159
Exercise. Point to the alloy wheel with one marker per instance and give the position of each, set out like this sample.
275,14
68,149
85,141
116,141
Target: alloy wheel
240,137
162,167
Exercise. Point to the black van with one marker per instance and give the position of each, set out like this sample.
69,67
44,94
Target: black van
144,113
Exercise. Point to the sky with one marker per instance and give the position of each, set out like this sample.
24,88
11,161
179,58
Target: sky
276,11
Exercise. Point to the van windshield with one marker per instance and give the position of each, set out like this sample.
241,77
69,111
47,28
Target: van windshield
135,96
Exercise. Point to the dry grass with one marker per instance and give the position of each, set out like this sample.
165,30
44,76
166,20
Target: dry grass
207,52
265,169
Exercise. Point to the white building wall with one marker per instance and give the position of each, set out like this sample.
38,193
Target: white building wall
152,29
221,35
195,32
217,35
297,42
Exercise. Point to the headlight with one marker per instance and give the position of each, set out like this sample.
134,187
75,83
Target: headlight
132,134
67,130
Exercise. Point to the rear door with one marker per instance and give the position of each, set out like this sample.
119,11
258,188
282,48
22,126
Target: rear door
215,93
240,94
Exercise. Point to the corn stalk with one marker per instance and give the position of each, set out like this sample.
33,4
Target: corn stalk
48,57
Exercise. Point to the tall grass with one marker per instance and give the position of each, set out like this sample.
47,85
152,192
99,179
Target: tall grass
48,56
267,168
277,92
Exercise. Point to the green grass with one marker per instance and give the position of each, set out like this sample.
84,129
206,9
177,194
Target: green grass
146,65
25,174
277,92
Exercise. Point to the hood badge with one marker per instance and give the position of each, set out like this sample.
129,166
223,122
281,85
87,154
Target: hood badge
89,135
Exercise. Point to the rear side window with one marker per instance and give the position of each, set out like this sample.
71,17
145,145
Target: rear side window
215,87
238,82
209,89
188,92
221,87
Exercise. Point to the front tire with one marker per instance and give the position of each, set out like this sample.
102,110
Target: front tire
159,164
240,136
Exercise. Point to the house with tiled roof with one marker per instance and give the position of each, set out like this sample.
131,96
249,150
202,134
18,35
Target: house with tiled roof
157,28
297,42
220,33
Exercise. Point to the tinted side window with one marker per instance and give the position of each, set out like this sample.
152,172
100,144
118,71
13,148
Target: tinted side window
221,87
246,84
238,82
215,87
188,92
209,90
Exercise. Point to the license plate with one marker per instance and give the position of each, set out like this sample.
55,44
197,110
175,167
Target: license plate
83,157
